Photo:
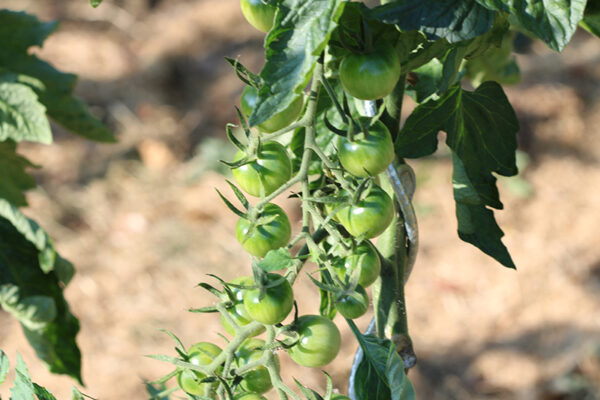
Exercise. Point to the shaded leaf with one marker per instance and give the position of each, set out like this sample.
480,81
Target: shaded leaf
481,129
33,296
4,366
454,20
19,31
14,179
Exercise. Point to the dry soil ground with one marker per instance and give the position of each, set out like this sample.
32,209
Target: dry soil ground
142,223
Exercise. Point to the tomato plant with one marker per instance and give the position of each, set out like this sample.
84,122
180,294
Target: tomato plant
330,96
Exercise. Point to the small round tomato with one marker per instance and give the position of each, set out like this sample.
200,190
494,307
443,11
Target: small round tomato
319,341
373,75
367,156
276,304
201,353
277,121
339,397
271,169
363,258
270,236
238,312
353,305
370,216
258,14
249,396
257,380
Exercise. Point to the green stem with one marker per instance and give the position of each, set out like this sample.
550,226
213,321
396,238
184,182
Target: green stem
393,108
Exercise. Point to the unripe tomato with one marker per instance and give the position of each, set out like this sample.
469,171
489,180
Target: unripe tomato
367,156
258,14
373,75
370,216
353,305
364,258
256,380
272,167
276,304
270,236
277,121
340,396
201,353
319,341
249,396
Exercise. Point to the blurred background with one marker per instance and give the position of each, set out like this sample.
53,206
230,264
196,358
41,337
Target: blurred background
141,220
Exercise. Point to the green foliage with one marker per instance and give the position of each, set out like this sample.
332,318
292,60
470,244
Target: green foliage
32,274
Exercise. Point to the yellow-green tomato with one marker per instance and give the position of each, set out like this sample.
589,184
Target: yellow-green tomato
373,75
271,169
257,380
339,397
238,312
276,303
370,155
258,14
319,341
276,122
201,353
363,258
353,305
370,216
269,236
249,396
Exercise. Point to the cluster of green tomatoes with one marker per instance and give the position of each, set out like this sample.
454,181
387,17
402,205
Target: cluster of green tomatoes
359,209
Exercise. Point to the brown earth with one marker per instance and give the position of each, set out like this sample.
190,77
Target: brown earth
141,220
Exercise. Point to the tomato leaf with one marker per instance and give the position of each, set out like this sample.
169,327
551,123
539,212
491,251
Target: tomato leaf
298,37
276,260
95,3
36,299
554,22
481,129
380,374
14,178
591,18
22,117
454,20
54,89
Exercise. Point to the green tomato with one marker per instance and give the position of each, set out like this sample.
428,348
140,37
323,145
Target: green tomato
364,258
257,380
270,236
373,75
201,353
353,305
277,121
276,304
319,341
272,167
340,396
258,14
238,312
367,156
249,396
370,216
